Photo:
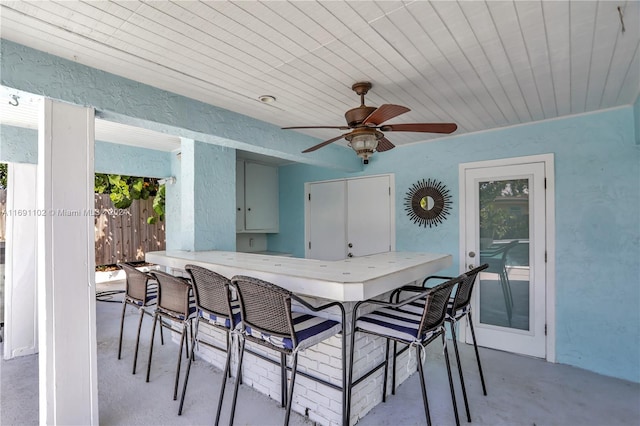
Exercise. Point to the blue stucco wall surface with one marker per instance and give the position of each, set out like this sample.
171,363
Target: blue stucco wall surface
208,197
597,167
131,161
20,145
636,114
173,206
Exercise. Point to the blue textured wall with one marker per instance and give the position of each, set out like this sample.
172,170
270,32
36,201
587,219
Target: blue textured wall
20,145
636,114
173,207
208,197
597,222
131,160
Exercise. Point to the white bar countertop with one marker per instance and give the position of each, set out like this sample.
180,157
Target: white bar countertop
349,280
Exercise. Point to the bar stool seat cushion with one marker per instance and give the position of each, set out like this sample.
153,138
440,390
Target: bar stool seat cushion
459,313
222,320
397,323
309,330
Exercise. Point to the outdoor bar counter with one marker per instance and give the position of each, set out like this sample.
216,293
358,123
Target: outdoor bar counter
347,281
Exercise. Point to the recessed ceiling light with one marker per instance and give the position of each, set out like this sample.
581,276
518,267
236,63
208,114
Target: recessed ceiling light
267,99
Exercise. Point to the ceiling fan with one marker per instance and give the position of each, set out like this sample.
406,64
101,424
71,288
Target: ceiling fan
365,122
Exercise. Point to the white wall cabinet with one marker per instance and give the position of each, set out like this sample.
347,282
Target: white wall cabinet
256,197
350,217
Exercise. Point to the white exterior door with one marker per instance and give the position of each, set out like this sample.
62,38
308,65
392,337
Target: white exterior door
327,220
368,215
349,217
505,225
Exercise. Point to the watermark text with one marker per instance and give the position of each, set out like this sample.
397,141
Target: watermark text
64,212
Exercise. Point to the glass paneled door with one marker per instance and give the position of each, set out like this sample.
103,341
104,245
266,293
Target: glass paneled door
505,228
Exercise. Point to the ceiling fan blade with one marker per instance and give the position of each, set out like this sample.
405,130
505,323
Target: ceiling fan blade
384,144
316,127
420,127
385,112
327,142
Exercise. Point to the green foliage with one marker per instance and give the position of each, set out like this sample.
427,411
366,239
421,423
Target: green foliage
101,183
3,175
119,192
158,205
140,189
496,221
124,189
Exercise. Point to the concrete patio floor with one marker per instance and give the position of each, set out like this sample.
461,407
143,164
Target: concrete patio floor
521,390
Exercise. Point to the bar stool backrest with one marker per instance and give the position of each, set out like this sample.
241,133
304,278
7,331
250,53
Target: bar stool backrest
463,294
435,309
136,282
497,258
211,291
173,293
265,307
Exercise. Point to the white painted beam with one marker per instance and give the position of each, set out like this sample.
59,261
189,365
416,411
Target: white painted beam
66,266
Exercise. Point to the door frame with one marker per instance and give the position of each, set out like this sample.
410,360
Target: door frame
550,230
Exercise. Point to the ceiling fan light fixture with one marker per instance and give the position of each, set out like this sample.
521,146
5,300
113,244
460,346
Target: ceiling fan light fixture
364,145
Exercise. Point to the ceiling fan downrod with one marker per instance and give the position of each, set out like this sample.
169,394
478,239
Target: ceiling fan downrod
361,88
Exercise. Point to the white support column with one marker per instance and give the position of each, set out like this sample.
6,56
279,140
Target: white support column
66,266
20,323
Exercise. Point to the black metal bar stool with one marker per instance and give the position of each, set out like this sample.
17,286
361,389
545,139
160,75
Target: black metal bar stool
141,292
215,307
460,307
268,320
416,321
174,304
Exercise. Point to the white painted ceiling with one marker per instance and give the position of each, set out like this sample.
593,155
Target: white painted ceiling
480,64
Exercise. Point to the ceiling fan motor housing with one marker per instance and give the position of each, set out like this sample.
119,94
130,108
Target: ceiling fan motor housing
356,116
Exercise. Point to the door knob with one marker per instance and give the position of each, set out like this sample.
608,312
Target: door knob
350,255
350,245
472,254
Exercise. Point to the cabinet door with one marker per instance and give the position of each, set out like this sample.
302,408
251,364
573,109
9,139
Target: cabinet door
239,196
369,215
261,197
357,212
327,231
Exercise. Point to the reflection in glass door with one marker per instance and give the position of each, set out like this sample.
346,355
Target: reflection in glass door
505,221
504,246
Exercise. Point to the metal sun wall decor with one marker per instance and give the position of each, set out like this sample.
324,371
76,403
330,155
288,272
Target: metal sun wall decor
428,202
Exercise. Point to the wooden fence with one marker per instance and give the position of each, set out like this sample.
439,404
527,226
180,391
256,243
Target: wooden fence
121,235
3,216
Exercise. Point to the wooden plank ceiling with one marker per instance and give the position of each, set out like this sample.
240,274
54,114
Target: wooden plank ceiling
480,64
